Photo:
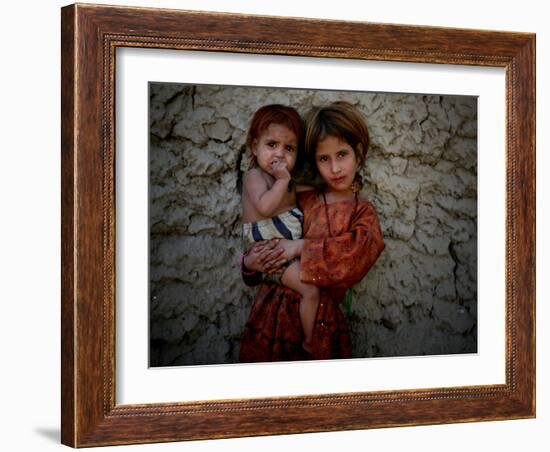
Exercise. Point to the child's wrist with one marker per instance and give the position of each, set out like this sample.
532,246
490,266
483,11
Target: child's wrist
244,269
284,179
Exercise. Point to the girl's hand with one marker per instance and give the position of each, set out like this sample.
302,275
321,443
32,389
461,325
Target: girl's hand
265,257
292,248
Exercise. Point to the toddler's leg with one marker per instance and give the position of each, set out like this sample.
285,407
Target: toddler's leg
309,302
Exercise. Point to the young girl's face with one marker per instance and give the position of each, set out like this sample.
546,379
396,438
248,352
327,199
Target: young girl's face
275,144
337,164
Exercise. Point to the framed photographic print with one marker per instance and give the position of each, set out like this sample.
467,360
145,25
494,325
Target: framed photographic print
198,160
424,270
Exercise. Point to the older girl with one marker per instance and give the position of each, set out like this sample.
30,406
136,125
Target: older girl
342,241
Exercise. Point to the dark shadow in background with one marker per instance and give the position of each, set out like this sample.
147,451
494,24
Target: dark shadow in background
53,434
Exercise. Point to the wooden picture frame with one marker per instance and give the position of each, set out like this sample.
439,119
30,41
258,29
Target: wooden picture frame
90,36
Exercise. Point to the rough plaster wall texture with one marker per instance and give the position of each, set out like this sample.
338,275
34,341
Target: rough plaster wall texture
421,175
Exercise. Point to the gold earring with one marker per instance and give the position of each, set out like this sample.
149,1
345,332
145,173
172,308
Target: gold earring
357,184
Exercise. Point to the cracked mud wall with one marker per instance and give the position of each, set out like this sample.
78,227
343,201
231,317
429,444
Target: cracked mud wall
421,175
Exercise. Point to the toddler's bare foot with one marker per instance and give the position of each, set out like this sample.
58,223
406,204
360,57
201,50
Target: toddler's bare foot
307,347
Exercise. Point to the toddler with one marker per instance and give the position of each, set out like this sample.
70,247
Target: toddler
269,208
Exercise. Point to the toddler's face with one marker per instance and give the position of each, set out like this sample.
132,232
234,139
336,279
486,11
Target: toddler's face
275,145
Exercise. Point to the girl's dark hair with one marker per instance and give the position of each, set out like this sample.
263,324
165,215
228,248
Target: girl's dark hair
274,114
341,120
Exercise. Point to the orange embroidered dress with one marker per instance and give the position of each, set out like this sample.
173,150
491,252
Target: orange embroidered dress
342,242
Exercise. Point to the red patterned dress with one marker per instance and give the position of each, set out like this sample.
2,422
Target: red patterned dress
343,241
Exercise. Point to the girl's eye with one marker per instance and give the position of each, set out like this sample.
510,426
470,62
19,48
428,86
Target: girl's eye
323,158
290,149
342,154
271,145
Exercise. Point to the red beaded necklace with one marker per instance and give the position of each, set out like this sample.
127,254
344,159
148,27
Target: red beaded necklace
327,215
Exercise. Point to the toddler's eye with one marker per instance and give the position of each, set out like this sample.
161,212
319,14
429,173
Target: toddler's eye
290,149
